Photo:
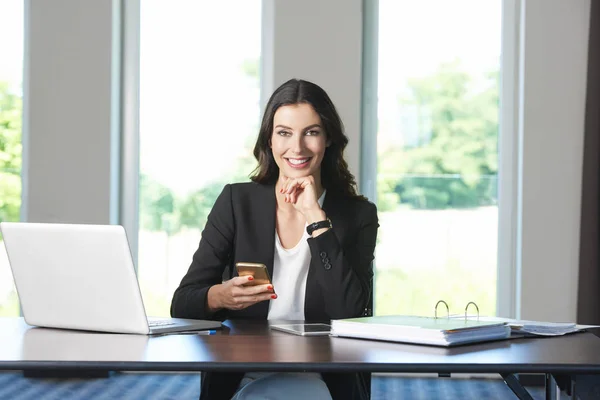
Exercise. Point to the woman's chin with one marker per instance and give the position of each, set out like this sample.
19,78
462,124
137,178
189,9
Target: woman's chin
295,174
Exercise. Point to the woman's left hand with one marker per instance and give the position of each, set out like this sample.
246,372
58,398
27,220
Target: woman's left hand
302,194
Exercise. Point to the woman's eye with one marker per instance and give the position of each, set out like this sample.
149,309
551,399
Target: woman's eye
284,133
312,133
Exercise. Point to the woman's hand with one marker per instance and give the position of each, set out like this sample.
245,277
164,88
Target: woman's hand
236,294
302,194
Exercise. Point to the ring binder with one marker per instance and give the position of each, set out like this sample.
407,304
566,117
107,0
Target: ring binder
467,307
451,330
448,309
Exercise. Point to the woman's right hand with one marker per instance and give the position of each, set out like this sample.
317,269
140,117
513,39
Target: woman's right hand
237,294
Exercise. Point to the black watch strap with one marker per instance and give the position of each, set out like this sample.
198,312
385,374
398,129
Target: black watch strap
318,225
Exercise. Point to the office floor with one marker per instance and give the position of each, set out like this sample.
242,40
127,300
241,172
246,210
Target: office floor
131,386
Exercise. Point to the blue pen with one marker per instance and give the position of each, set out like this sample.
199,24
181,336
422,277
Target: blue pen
209,332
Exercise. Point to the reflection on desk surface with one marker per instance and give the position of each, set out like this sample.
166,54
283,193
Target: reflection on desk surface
67,345
257,347
381,351
571,350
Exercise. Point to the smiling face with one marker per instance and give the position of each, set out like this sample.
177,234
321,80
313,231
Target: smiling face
298,141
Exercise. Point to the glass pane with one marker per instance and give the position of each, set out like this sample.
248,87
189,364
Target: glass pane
438,112
199,117
11,76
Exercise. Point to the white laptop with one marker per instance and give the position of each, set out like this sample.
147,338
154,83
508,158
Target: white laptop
77,276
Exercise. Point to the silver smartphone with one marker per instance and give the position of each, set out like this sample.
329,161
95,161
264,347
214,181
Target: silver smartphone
314,329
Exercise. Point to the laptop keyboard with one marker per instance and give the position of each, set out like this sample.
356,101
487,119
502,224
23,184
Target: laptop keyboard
160,322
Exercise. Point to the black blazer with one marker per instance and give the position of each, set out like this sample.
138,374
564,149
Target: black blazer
241,228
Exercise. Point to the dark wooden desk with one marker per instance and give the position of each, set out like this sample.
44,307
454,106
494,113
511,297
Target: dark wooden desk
252,346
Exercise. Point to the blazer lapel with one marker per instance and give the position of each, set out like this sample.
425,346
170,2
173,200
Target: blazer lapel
257,224
265,229
313,301
331,206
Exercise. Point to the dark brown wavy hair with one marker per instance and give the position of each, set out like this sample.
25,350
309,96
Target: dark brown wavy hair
334,169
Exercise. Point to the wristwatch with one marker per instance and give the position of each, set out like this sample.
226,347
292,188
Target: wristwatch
318,225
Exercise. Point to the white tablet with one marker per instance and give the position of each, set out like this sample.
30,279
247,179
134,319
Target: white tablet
304,329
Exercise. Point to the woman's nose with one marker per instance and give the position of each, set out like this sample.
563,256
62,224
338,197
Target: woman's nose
298,144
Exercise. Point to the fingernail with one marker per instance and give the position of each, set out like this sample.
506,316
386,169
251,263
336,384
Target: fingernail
273,296
270,287
250,278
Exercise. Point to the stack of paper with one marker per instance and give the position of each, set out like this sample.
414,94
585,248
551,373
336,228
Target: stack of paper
420,330
535,328
544,328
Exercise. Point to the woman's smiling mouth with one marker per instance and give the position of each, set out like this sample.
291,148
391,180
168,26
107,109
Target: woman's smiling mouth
298,162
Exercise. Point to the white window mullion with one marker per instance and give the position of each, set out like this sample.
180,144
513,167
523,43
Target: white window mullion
508,165
130,100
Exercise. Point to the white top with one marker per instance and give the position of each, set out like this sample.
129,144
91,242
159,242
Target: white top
290,270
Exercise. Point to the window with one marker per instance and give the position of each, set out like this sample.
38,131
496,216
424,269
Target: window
437,148
199,117
11,75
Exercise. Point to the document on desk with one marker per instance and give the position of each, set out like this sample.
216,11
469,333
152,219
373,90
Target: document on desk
544,328
420,330
535,328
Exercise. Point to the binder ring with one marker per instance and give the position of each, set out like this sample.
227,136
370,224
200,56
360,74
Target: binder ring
447,309
467,307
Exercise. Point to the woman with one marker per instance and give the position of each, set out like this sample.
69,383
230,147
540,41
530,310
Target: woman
301,217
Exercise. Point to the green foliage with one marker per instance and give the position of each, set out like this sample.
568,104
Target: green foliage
156,204
387,198
251,67
453,163
414,292
9,306
194,209
10,154
161,210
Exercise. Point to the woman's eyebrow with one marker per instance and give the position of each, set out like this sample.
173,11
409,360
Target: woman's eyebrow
311,127
305,129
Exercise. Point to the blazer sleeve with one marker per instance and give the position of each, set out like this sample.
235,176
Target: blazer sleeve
208,263
347,281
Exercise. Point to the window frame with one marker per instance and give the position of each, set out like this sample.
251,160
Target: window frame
509,154
130,125
509,157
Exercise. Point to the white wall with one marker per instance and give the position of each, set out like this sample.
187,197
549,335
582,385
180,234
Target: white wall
552,95
69,171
